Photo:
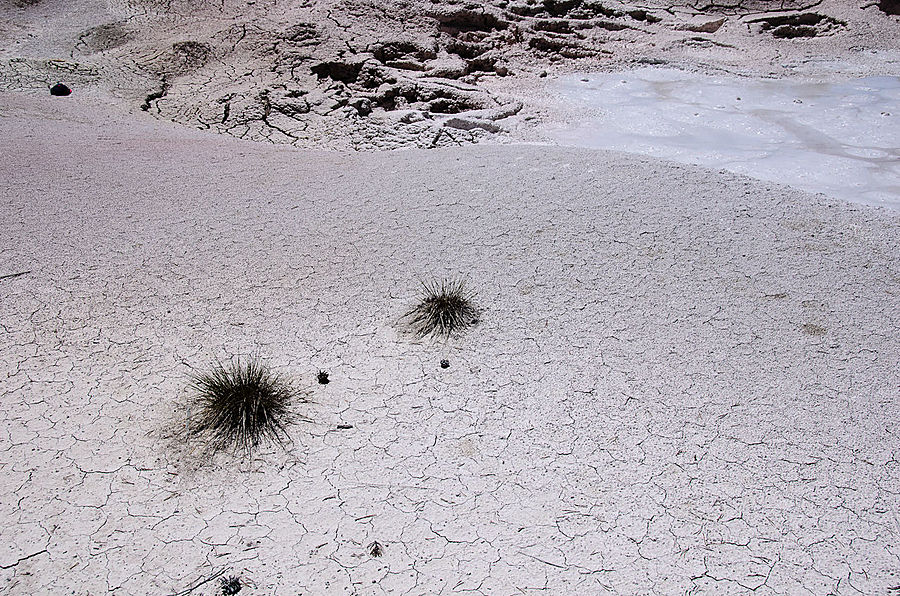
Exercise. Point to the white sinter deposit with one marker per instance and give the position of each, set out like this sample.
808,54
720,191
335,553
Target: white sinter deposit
837,138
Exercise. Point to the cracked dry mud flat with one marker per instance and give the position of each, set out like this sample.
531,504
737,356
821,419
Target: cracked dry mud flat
684,382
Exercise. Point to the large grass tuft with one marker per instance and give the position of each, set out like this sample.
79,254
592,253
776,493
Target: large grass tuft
239,405
445,308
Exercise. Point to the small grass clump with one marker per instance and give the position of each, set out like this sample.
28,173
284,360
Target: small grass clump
239,405
375,549
230,585
445,308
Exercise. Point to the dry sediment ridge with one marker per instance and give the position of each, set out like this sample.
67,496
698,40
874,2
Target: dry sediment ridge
361,74
683,381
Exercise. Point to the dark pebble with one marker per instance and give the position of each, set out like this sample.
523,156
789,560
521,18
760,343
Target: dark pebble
60,90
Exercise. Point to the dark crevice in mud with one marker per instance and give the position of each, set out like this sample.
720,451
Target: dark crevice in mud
891,7
560,46
343,71
462,20
643,15
807,18
394,50
155,95
808,24
737,7
572,9
268,109
464,49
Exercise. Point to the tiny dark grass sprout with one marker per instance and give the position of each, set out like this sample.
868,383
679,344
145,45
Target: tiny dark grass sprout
375,549
239,405
445,308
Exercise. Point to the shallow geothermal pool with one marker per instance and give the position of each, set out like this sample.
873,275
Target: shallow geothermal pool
841,139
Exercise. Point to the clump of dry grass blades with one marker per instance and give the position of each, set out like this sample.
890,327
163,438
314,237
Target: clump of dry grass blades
445,308
239,405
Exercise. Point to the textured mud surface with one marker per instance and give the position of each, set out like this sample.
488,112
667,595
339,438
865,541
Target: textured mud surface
363,74
683,382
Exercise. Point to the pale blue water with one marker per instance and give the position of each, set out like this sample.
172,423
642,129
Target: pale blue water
840,139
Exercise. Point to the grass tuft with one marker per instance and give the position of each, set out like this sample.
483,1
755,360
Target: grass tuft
231,585
239,405
445,308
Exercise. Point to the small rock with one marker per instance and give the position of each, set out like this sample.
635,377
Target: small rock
706,26
448,68
60,90
409,116
643,15
445,363
362,105
466,19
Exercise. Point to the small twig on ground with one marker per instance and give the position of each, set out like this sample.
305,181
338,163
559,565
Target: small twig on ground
12,275
199,583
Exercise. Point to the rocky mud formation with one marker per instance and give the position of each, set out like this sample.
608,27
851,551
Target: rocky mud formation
362,74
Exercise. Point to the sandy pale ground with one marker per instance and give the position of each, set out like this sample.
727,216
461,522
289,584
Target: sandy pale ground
685,382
